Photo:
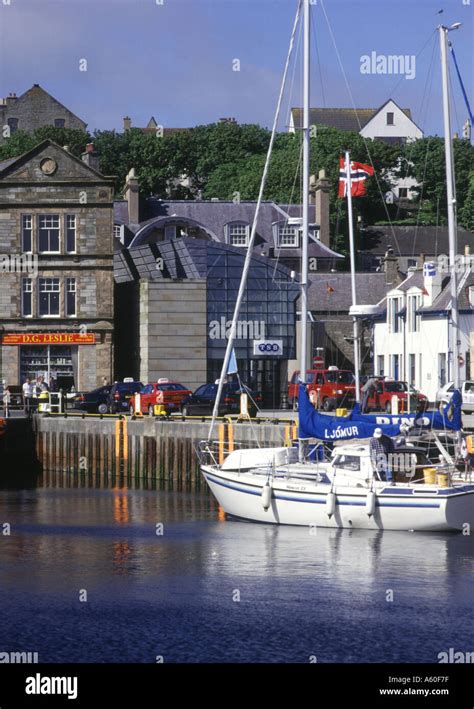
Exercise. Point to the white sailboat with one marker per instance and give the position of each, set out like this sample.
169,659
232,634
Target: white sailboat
280,485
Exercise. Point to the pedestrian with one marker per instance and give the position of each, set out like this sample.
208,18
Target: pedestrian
6,401
28,393
381,451
369,389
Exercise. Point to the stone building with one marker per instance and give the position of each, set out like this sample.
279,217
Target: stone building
34,109
56,268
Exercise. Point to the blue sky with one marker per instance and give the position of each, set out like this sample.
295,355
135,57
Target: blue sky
174,61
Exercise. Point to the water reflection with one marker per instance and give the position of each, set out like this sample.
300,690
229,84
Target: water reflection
301,590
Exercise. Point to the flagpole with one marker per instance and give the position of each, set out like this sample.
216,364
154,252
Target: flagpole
355,324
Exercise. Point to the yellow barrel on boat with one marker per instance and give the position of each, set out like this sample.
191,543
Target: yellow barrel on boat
429,475
341,412
442,480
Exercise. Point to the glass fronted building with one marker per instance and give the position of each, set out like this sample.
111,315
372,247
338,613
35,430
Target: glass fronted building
184,310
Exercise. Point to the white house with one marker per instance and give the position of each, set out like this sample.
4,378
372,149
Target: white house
389,123
413,335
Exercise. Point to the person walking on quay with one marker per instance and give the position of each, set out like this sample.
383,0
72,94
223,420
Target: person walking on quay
6,402
28,393
381,450
368,390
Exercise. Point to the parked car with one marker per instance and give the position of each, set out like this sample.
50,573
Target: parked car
163,392
329,388
93,402
201,402
387,388
120,394
443,395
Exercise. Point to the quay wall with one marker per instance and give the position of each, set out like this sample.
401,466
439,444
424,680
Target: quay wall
164,451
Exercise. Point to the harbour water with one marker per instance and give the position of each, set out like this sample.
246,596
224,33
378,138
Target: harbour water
112,574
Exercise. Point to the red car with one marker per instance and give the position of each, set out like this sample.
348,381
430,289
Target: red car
329,388
381,400
162,393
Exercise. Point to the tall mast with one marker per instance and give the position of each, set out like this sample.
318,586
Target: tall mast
305,199
355,324
453,246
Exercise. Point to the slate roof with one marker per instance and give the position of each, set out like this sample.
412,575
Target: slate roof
370,289
412,240
213,216
443,301
348,119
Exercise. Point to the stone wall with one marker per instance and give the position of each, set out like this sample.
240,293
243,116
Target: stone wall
36,108
173,331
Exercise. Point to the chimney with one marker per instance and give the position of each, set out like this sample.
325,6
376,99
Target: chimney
390,268
132,194
319,195
11,98
127,123
432,282
91,157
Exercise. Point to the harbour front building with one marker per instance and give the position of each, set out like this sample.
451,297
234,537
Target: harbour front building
56,269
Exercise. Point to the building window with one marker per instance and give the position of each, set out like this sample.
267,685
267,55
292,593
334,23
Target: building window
170,231
396,367
412,263
59,122
413,319
27,233
287,236
27,297
49,234
13,124
441,368
390,119
393,313
420,369
70,297
49,292
71,233
381,365
403,193
238,234
412,365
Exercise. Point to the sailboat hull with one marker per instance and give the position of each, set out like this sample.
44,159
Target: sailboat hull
306,503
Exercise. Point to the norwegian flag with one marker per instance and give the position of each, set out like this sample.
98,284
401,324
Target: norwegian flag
359,173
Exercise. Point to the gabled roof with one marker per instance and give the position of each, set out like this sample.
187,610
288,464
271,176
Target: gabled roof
348,119
39,89
443,302
13,163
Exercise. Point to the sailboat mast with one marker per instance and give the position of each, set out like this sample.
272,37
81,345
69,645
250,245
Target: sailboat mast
448,151
305,201
355,324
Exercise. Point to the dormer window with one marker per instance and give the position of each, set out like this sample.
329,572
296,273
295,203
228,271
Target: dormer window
288,236
390,119
238,234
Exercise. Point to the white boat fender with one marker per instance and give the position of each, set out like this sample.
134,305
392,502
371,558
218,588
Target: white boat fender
266,495
370,503
331,504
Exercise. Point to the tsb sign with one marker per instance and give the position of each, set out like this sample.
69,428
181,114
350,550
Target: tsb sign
267,348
